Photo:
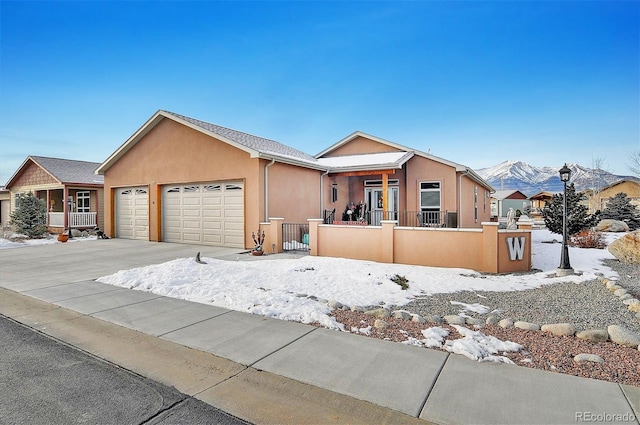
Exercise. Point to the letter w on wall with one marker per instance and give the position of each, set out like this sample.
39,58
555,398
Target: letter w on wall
516,248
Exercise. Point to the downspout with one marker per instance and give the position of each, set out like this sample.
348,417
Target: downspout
266,189
322,193
466,173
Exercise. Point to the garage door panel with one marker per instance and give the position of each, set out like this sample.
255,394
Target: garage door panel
204,213
132,213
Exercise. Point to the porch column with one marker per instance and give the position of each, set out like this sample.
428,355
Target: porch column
65,206
48,207
385,195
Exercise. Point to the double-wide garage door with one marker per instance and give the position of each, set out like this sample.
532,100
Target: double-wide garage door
204,213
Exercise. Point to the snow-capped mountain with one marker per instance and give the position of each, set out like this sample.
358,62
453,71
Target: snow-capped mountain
530,179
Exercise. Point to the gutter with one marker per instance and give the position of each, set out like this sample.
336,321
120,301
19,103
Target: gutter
266,190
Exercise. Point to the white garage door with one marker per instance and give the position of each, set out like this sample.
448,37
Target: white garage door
204,213
132,213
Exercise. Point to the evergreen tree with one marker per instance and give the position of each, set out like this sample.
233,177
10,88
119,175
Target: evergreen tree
29,217
577,219
620,208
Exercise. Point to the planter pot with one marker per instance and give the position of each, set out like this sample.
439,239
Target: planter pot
257,252
63,237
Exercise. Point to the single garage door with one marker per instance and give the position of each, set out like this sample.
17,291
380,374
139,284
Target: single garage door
204,213
132,213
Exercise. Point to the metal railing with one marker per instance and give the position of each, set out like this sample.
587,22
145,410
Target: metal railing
414,218
56,219
295,236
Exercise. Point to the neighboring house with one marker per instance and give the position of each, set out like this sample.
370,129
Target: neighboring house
538,201
502,200
178,179
5,200
71,190
597,200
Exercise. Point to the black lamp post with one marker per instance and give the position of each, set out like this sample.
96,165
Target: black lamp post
70,202
565,266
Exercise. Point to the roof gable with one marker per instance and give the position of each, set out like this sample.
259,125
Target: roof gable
257,147
63,171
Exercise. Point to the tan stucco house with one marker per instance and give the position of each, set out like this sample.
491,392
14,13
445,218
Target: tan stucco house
598,200
179,179
71,190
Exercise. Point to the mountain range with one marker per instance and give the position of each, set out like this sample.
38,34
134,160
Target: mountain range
529,179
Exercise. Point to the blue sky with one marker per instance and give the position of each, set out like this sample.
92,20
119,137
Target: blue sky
475,82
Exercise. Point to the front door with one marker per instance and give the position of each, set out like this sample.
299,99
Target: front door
374,204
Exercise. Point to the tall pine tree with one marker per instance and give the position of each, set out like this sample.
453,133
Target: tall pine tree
29,217
620,208
577,218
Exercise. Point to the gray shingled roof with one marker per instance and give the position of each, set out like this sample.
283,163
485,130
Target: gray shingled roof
256,143
70,171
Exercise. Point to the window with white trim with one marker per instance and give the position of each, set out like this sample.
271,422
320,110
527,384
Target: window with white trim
430,196
83,202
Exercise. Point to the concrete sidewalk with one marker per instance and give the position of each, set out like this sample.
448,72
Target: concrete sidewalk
270,371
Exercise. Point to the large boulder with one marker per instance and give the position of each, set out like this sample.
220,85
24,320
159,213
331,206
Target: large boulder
627,248
609,225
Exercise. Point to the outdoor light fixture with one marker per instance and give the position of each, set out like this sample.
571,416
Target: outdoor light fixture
565,266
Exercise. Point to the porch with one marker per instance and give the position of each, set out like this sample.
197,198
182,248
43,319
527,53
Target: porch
403,218
77,220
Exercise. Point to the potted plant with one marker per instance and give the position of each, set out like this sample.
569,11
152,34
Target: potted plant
63,237
258,241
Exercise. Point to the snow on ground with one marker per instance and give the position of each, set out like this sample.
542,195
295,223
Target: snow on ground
298,289
21,241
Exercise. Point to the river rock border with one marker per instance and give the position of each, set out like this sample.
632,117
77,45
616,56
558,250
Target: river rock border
614,333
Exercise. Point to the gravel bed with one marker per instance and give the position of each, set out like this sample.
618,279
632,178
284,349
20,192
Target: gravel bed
588,305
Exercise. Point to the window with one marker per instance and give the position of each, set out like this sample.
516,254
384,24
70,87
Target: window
475,202
430,203
430,196
83,202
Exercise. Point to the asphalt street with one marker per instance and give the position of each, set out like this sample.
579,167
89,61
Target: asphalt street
44,381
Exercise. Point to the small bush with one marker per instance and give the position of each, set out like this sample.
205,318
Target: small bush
588,239
401,280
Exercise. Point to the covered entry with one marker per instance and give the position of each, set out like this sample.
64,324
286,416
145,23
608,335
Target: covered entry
204,213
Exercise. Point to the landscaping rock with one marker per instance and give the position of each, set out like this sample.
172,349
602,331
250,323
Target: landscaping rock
357,308
454,319
609,225
609,283
380,313
594,335
433,318
626,297
401,314
380,324
614,288
475,322
505,323
335,305
526,326
417,318
627,248
620,292
492,319
560,329
635,308
630,301
583,357
623,336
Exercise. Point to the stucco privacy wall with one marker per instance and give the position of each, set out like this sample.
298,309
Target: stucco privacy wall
484,250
